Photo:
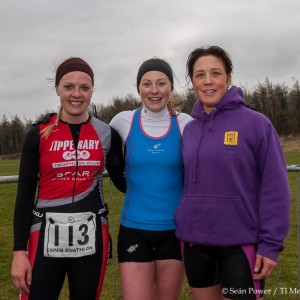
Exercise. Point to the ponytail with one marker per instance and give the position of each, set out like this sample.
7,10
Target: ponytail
47,130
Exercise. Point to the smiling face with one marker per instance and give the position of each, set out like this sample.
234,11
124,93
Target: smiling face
210,81
155,90
75,90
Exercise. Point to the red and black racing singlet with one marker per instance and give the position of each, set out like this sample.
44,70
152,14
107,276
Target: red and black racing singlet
61,164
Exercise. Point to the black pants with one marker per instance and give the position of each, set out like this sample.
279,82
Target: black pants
85,274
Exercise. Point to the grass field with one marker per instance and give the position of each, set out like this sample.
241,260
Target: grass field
282,284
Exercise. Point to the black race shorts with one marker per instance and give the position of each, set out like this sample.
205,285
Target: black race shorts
136,245
231,267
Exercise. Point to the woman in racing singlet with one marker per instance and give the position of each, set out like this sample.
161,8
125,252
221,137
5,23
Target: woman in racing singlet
65,230
148,250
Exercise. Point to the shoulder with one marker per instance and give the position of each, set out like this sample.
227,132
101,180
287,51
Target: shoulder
183,120
45,119
121,117
100,126
102,129
95,121
32,138
122,123
254,115
33,132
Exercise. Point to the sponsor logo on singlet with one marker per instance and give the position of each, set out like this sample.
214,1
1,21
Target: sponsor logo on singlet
71,156
69,145
156,149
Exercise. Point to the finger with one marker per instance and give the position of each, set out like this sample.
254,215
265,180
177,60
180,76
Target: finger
23,287
29,277
16,283
265,272
258,263
269,270
258,276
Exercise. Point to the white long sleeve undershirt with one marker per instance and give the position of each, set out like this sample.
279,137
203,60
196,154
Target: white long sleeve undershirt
155,124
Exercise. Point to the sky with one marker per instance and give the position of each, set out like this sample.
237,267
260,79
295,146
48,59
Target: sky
116,36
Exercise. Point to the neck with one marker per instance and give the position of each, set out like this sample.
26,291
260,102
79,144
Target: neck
155,115
74,119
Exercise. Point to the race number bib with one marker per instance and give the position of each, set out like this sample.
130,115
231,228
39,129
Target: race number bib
70,234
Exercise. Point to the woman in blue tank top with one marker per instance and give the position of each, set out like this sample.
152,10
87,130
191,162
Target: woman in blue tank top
148,250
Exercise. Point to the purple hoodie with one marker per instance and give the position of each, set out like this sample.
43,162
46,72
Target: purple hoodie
236,190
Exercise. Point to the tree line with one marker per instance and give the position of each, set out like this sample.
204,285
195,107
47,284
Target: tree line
279,102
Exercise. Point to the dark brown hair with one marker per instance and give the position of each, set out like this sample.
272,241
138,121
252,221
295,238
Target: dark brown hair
155,64
204,51
73,64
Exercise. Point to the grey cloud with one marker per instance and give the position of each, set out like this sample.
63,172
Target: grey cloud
116,36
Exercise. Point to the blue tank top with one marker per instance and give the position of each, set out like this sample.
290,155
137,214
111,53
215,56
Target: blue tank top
154,175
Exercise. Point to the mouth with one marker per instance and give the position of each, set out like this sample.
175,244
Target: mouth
155,99
75,103
209,92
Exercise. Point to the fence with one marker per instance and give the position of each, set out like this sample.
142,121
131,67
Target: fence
14,178
290,168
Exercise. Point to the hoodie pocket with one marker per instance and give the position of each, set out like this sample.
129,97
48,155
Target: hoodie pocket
215,220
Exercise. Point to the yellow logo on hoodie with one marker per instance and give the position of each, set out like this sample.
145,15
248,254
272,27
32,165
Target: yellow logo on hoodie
231,138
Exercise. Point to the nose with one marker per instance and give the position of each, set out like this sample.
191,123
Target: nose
207,79
76,92
154,89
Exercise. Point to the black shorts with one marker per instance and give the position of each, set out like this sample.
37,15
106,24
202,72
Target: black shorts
231,267
136,245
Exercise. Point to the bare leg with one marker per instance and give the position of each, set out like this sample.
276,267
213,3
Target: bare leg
168,279
137,280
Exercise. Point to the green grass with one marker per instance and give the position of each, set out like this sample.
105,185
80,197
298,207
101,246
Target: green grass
9,167
287,275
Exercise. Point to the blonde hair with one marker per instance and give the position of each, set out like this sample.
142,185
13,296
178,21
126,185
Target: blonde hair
47,130
175,103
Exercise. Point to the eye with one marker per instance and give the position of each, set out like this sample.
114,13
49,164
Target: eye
215,73
146,84
199,75
85,88
67,86
162,83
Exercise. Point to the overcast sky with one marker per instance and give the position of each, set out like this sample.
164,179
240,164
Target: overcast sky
116,36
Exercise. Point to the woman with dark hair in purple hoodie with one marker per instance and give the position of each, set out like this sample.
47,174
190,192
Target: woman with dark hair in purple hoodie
234,213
